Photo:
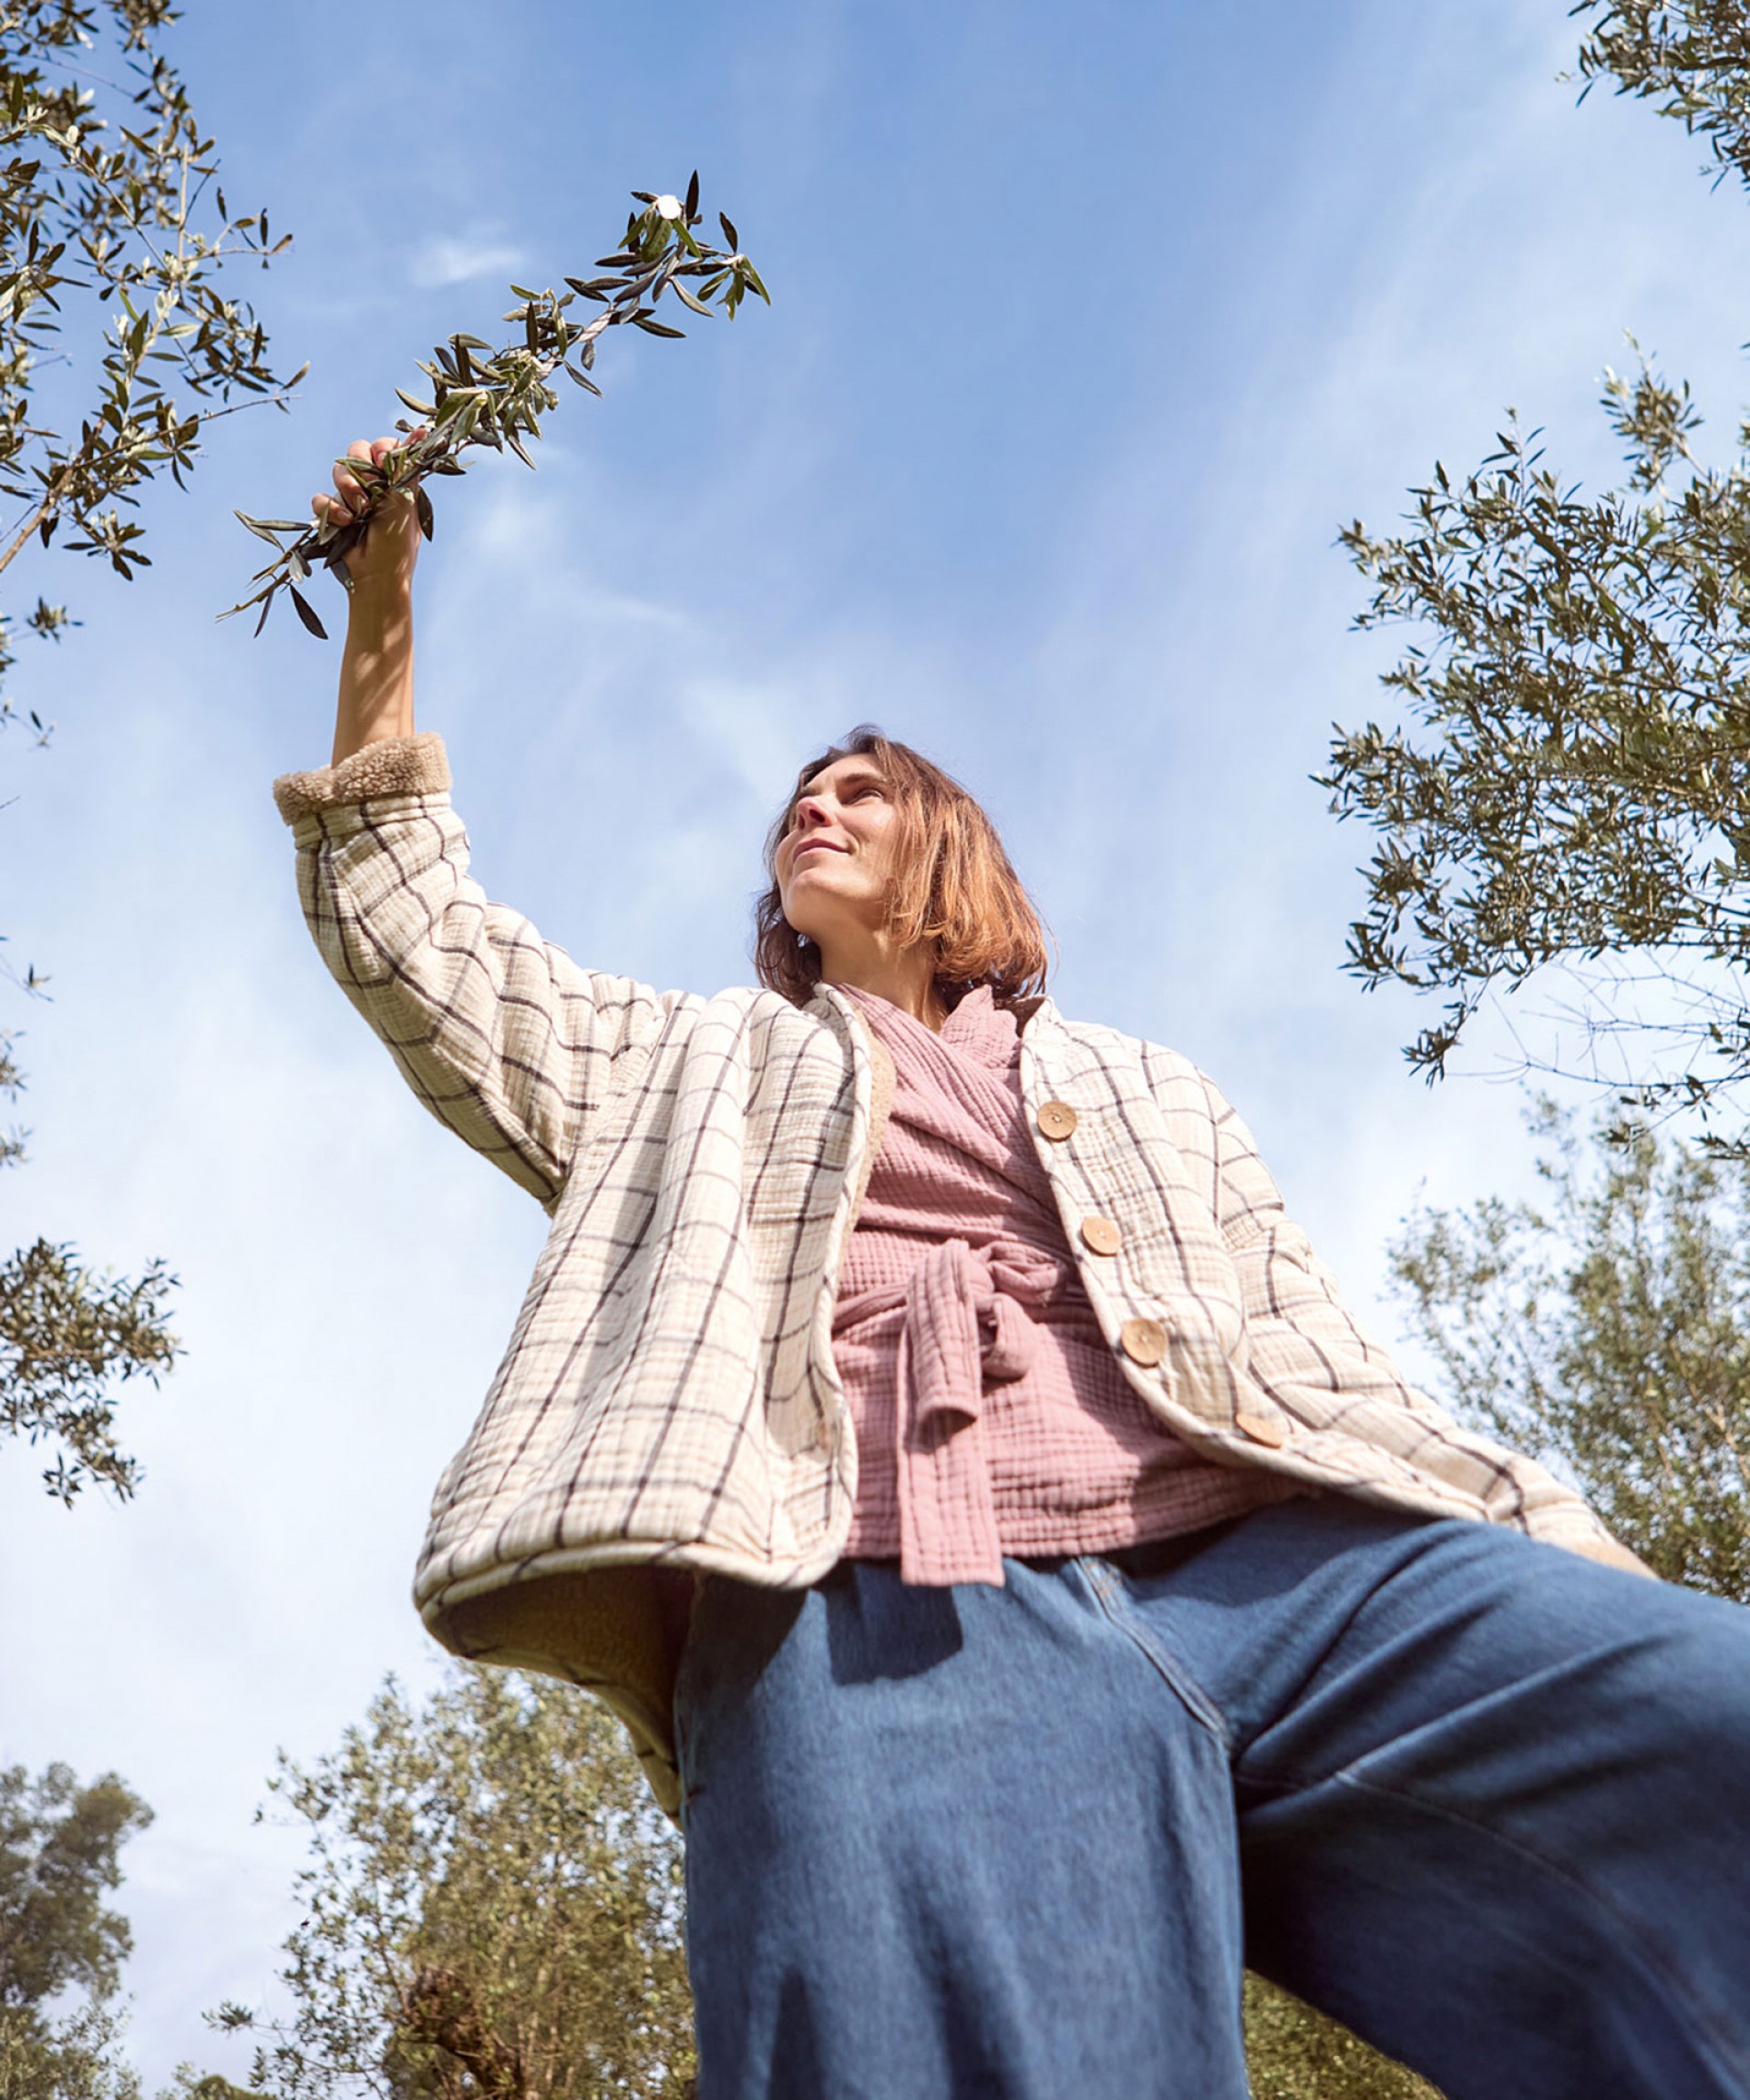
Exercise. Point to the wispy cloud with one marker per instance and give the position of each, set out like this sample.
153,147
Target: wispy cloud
459,258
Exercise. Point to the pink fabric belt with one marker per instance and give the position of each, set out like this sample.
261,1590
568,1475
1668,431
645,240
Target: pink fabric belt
967,1325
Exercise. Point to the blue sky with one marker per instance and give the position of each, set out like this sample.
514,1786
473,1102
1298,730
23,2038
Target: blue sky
1091,326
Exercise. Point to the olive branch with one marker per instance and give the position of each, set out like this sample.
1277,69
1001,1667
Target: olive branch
498,399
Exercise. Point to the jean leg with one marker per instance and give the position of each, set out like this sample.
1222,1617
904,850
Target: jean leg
1495,1800
952,1843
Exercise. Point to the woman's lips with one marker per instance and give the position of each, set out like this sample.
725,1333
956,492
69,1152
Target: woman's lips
816,845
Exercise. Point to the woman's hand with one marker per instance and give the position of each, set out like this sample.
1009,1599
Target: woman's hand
386,556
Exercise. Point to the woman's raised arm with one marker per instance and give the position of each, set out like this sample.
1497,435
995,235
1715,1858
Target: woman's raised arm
501,1034
376,667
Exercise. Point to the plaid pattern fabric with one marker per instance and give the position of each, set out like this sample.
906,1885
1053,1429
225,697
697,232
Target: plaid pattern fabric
669,1391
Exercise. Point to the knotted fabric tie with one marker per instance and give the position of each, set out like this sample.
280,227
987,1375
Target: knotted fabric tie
966,1326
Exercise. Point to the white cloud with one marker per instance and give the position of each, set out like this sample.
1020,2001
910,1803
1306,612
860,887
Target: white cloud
459,258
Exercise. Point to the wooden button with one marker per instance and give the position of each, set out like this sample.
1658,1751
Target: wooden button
1056,1120
1101,1236
1261,1429
1143,1342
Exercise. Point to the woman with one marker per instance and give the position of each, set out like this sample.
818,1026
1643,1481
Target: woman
927,1431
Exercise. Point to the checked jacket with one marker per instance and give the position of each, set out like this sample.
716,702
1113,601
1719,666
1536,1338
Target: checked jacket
668,1398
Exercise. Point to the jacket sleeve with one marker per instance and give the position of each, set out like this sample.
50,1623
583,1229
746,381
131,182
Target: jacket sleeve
501,1034
1323,1368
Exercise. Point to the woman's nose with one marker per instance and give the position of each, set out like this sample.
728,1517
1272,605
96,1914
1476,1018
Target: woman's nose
811,814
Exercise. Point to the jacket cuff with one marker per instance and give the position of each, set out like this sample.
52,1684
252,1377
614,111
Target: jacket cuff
395,766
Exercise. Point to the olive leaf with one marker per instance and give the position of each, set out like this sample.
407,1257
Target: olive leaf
497,397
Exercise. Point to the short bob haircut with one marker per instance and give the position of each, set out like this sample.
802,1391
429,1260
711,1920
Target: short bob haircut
955,886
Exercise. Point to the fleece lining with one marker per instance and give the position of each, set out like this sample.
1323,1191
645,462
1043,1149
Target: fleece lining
412,765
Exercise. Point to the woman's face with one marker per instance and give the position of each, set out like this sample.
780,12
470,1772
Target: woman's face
834,863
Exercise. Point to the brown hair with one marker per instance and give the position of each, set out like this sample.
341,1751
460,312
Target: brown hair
955,886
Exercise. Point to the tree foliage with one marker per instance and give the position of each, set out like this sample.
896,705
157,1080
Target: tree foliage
1584,791
1691,61
117,346
1572,786
61,1948
69,1339
112,219
1609,1330
491,1910
12,1085
1295,2054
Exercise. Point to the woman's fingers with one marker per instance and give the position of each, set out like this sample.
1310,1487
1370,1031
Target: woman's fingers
346,484
374,450
350,497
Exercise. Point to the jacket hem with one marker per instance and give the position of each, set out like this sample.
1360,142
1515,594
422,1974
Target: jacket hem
593,1617
793,1571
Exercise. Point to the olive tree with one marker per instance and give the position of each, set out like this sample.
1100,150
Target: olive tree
61,1946
1568,785
1295,2054
491,1911
119,344
1607,1327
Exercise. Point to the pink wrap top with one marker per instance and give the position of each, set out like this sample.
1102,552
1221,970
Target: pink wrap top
991,1414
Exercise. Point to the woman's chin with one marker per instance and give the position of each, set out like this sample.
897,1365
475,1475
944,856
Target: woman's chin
818,908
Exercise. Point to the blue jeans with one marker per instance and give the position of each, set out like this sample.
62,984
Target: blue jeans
1487,1803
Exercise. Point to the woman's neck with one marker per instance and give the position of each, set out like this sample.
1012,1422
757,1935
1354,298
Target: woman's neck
904,977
